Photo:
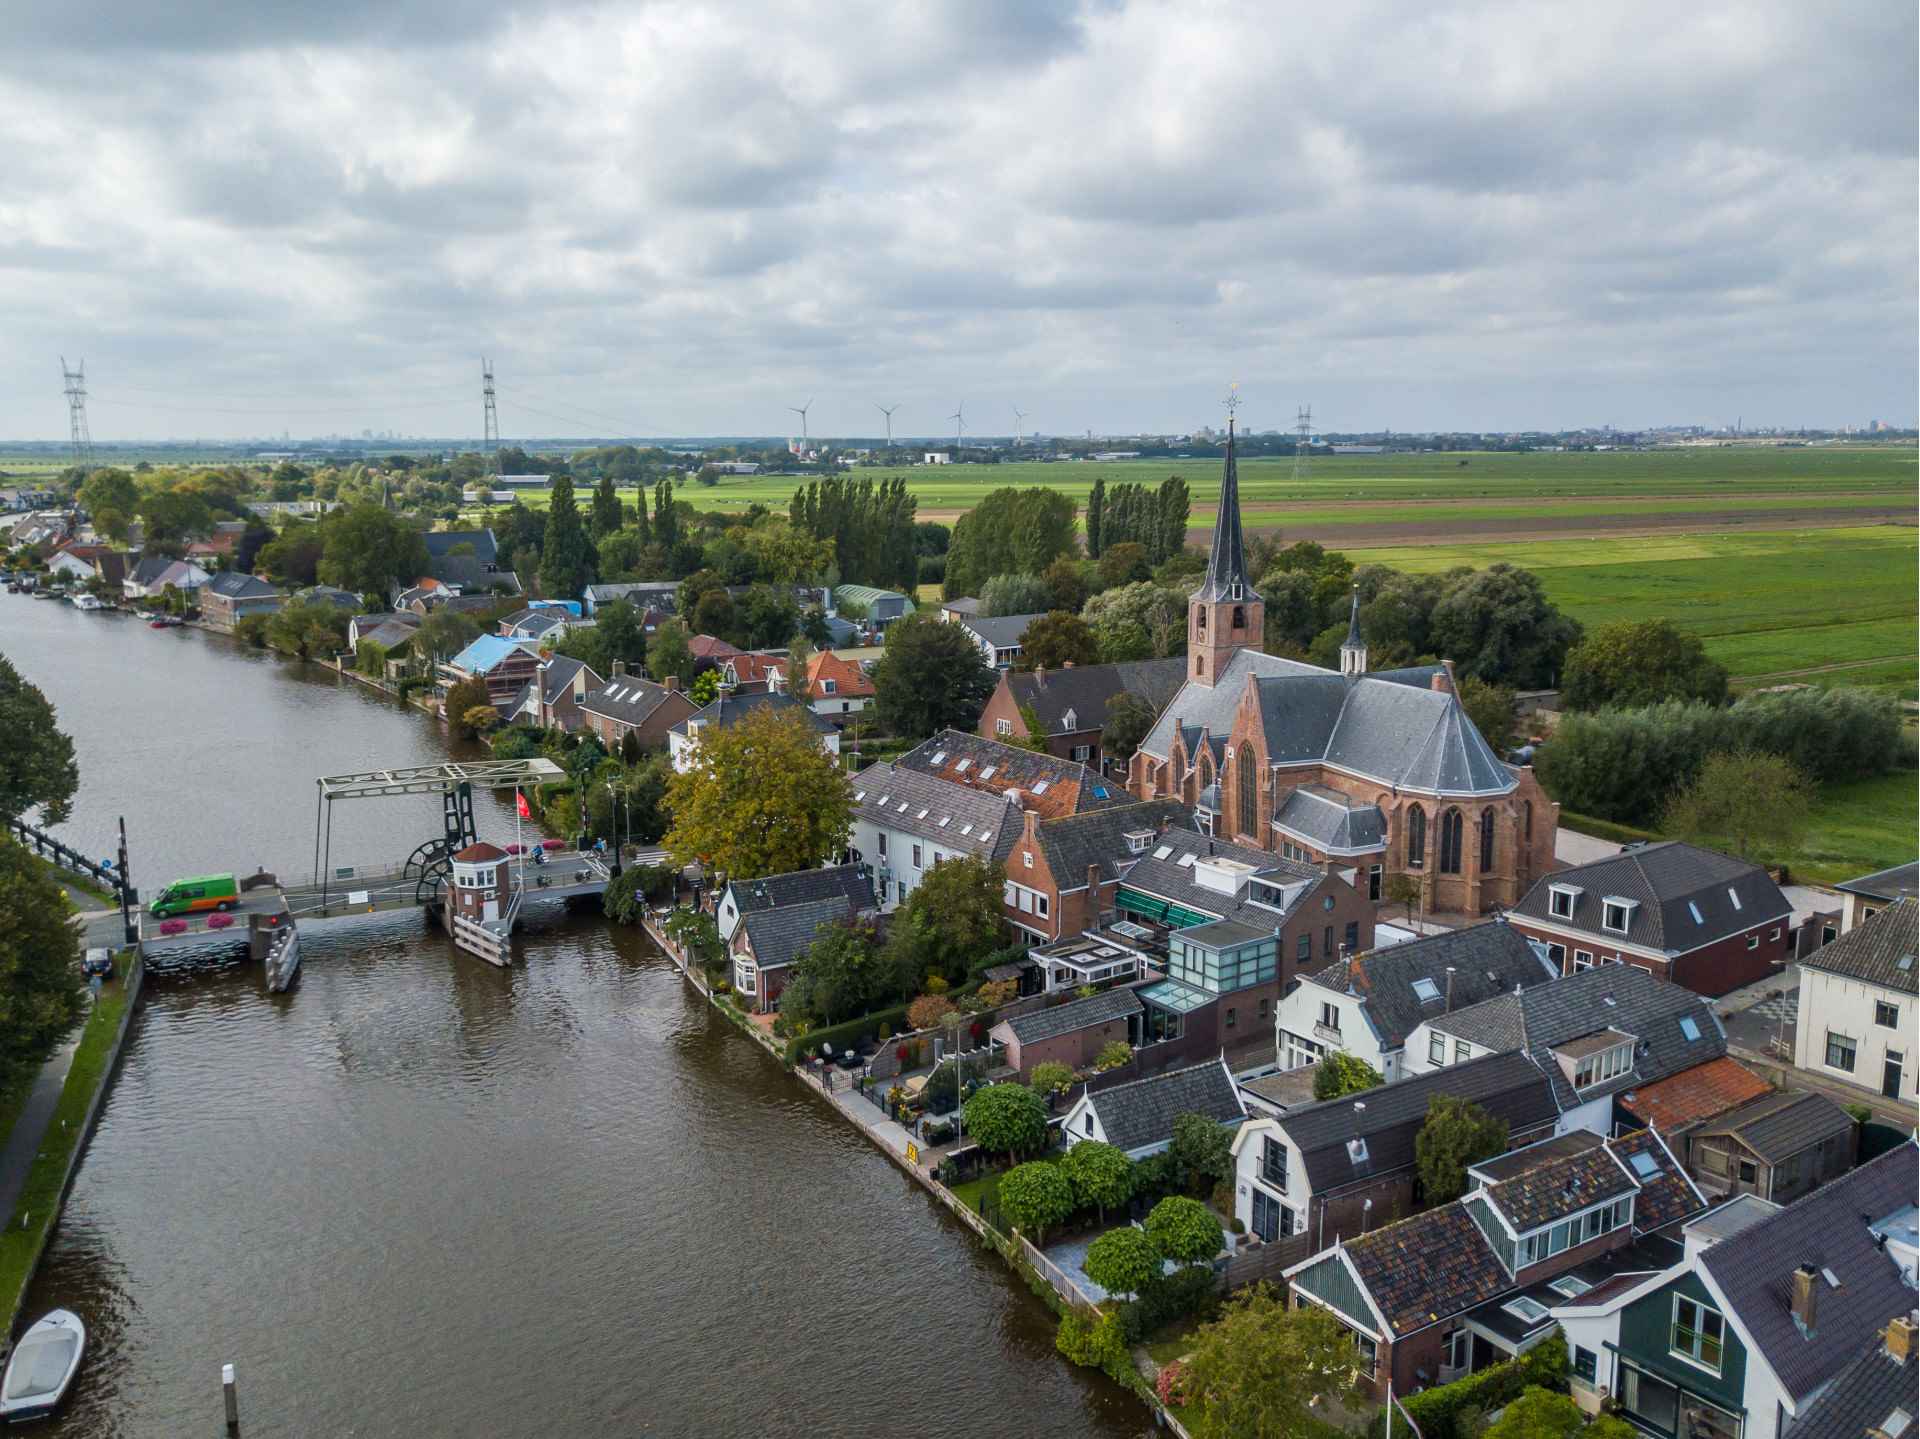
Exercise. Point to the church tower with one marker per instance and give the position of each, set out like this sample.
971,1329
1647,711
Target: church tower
1353,651
1225,614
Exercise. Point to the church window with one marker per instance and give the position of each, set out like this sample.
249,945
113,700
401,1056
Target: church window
1486,840
1452,829
1416,838
1249,800
1239,617
1526,820
1200,618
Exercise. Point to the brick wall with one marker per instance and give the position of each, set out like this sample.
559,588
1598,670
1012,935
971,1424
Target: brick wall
1710,970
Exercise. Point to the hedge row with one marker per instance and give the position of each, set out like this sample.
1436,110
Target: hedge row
1435,1410
849,1034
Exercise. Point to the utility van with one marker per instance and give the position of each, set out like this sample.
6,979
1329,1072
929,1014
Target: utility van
185,896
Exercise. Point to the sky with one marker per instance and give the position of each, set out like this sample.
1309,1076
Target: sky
257,216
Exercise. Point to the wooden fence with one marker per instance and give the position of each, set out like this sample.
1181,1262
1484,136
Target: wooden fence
1064,1284
1265,1262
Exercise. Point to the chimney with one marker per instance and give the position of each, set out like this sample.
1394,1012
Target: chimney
1449,989
1806,1298
1030,825
672,682
1443,681
619,669
1900,1335
1040,676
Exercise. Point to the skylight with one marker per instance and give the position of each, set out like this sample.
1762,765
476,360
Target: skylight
1527,1311
860,796
1099,791
961,768
1163,851
939,756
1426,991
921,815
966,829
1694,910
885,799
1186,861
1357,1150
1570,1286
1041,787
1734,896
945,820
987,773
903,806
1643,1165
1689,1026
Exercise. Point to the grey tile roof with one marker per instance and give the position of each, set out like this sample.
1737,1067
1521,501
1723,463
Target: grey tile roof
1825,1230
1141,1112
556,676
1668,882
1211,707
625,698
388,634
967,758
1389,1116
330,595
1164,877
472,573
1880,951
853,882
441,542
777,936
1084,690
1101,1008
1861,1398
1332,822
976,821
237,586
1097,839
1885,883
1487,959
1614,996
731,709
1003,632
1778,1126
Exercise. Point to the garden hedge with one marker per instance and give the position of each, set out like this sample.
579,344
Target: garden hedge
848,1034
1434,1410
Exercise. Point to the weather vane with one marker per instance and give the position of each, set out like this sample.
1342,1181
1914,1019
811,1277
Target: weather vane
1232,402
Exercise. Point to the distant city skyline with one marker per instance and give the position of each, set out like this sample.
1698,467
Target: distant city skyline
687,218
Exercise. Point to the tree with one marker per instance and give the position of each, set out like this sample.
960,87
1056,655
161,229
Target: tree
1009,1119
835,977
443,634
1009,532
567,558
110,496
1124,564
1757,805
668,656
1032,1195
1015,595
1490,707
1185,1230
1122,1261
1455,1134
1341,1074
705,688
39,957
1049,1077
950,922
1056,640
760,797
714,615
460,703
929,1011
37,766
1543,1414
618,633
608,515
366,549
1498,625
1101,1174
931,678
1066,585
1138,622
1203,1148
1129,721
170,518
1631,663
1256,1370
1402,889
1096,510
293,557
481,718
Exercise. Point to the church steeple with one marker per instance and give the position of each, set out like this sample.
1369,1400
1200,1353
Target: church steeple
1225,614
1353,651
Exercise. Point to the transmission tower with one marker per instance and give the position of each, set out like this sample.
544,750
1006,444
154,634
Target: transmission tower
1302,442
76,386
491,420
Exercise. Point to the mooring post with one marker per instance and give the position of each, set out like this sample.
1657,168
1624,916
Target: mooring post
232,1395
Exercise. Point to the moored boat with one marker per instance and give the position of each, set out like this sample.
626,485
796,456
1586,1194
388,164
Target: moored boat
88,602
42,1367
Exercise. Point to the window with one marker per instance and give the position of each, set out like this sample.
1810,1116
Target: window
1607,1064
1753,940
1436,1049
1572,1286
1374,874
1486,840
1733,895
1273,1163
1305,948
1326,946
1527,1311
1887,1016
1003,727
1264,1014
1614,916
1082,753
1644,1165
1697,1332
1425,990
1462,1051
826,687
1649,1399
746,977
1233,1016
1586,1364
1694,910
1452,827
1840,1052
1560,903
1748,1171
1416,838
1330,1017
1582,959
1087,1123
1775,934
1266,1215
1027,859
1246,782
1526,820
916,856
882,841
1239,616
1558,954
1040,903
1689,1026
1457,1349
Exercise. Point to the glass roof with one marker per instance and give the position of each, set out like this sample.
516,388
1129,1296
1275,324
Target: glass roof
1172,995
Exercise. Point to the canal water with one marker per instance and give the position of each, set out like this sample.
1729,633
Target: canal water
421,1196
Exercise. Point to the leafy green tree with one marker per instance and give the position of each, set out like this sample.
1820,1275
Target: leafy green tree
714,615
1341,1074
293,556
1185,1230
111,497
1067,586
1009,532
310,629
566,558
1124,564
1293,611
668,655
1056,640
1032,1195
950,922
1129,721
460,701
1498,625
39,957
1049,1077
617,633
443,634
1490,707
836,977
930,678
37,766
171,518
1257,1370
1455,1134
1640,662
608,514
705,688
1757,805
1402,889
1203,1148
1009,1119
1015,594
1096,511
1122,1261
1138,622
761,797
1101,1175
1543,1414
368,550
370,658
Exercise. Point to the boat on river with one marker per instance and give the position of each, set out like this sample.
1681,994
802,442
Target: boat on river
165,622
88,602
42,1367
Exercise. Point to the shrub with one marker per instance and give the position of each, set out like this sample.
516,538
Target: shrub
1184,1230
1190,1292
1171,1384
848,1035
1341,1074
1438,1410
1123,1261
1097,1342
1051,1078
929,1010
1115,1053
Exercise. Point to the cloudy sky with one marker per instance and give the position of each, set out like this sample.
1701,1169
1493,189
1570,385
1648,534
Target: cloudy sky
257,215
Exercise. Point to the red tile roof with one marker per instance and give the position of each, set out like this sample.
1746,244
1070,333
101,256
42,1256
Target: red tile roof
1694,1094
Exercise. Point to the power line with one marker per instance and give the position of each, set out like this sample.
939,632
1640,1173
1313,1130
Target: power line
490,422
75,381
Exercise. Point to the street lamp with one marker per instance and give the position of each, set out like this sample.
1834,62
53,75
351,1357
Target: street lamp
613,819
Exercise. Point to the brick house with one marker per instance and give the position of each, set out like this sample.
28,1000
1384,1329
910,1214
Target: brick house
626,704
231,596
768,942
1072,1034
1070,703
1382,770
1703,920
1064,873
551,699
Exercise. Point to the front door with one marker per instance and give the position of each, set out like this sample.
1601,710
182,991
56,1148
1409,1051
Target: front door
1890,1074
491,909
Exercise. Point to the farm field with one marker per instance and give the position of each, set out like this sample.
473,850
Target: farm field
1860,827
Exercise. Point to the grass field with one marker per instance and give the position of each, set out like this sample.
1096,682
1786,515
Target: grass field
1860,827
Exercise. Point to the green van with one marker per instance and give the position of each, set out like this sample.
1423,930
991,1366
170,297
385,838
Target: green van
185,896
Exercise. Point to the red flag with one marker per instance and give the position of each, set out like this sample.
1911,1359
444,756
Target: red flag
520,803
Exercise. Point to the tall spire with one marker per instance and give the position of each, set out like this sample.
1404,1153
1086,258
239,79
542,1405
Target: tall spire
1353,650
1227,564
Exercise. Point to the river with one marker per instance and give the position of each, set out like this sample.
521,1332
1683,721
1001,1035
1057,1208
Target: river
421,1196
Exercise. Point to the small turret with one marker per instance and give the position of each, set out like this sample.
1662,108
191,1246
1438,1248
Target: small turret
1353,650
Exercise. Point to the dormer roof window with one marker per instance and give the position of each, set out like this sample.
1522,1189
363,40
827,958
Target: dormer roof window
1561,899
1616,913
1138,840
1596,1058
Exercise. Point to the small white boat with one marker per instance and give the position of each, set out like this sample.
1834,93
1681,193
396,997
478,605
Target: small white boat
88,602
41,1367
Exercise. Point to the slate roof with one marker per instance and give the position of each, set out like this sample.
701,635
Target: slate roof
976,821
1164,877
555,676
1097,839
777,936
1427,1267
1210,707
1880,951
388,634
1102,1008
534,624
440,542
1085,690
1048,784
1331,821
238,586
1823,1229
625,698
1669,882
1389,1116
852,882
1226,576
1141,1112
1780,1125
149,571
1003,632
1885,883
1616,996
472,573
1862,1397
729,710
330,595
1488,959
1552,1191
711,647
1694,1094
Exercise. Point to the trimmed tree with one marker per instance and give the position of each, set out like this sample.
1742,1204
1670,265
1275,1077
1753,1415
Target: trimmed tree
1256,1370
1185,1230
1033,1195
1122,1261
1009,1119
1101,1175
761,797
1542,1414
1341,1073
1455,1134
1203,1149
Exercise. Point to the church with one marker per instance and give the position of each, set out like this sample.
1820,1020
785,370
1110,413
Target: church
1378,770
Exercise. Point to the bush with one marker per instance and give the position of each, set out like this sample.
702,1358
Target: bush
850,1034
1437,1411
1098,1343
1113,1055
1185,1230
1050,1078
627,896
1190,1292
1034,1195
1171,1384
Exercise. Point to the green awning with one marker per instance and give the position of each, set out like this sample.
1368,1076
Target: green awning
1161,911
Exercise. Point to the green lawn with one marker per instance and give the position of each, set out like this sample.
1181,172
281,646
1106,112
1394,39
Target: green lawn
1861,827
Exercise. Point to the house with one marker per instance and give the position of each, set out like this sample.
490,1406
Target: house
1699,918
1858,1005
156,574
1343,1166
641,594
474,570
331,595
1137,1116
1749,1327
767,942
884,608
551,699
1368,1006
778,891
1872,1398
1862,898
16,499
1072,1034
366,625
1455,1289
505,665
836,687
1095,958
964,608
1069,704
1596,1034
88,562
683,737
710,647
997,637
1682,1102
219,547
627,704
543,622
230,596
1062,872
1779,1147
755,672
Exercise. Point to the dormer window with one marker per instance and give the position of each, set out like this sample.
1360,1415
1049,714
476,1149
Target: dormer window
1603,1065
1616,913
1560,900
1069,720
1138,840
826,687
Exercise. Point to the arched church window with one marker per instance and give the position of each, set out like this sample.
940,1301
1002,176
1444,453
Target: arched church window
1249,799
1452,831
1526,820
1486,840
1416,838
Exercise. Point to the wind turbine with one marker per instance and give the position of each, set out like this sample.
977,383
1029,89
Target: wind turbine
801,411
888,410
959,423
1018,415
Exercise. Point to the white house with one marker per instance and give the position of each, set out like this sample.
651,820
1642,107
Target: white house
1859,1020
904,823
937,457
157,573
1138,1116
683,740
